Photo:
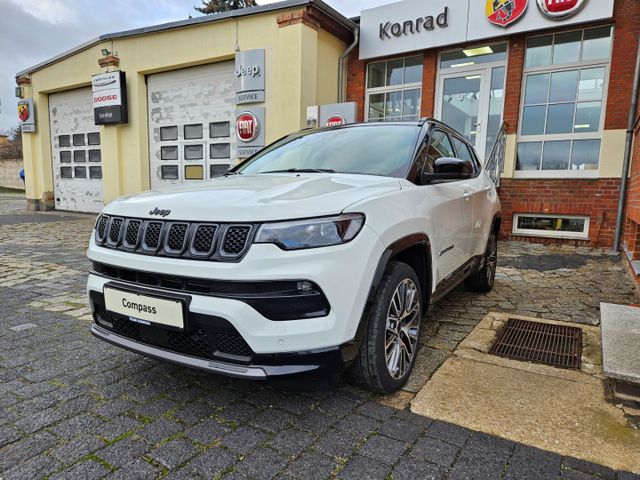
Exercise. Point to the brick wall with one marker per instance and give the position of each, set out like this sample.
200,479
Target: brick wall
595,198
515,65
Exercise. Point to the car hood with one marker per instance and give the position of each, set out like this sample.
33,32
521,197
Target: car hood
256,198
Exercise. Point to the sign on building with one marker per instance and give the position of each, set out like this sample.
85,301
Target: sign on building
27,115
336,114
250,131
250,76
109,98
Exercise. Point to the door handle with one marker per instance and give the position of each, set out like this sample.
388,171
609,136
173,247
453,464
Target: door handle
467,195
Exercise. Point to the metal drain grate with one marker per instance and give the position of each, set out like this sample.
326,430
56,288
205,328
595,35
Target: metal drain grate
556,345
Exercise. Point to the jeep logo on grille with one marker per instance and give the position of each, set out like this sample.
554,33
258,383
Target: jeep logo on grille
161,213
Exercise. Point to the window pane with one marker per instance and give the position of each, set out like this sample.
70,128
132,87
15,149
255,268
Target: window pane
219,129
411,103
217,170
169,172
560,118
220,150
64,141
586,155
95,172
80,172
376,107
395,69
193,152
376,75
95,155
496,103
591,84
529,156
556,155
65,156
537,89
168,133
539,51
193,172
393,107
564,86
588,117
78,140
462,149
66,172
413,70
79,156
557,224
567,47
597,43
474,56
533,120
440,146
93,138
169,153
193,131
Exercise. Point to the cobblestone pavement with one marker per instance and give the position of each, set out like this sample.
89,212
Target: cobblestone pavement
74,407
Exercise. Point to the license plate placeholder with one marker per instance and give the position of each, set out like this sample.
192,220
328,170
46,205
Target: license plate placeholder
142,308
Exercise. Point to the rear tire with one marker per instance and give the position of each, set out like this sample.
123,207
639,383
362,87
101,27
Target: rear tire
387,354
482,281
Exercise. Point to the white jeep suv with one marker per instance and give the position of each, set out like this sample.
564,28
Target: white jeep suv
322,251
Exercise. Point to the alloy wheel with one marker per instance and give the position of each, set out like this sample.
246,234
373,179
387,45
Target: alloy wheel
402,329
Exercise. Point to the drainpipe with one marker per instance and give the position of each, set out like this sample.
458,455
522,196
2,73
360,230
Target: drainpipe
341,67
627,153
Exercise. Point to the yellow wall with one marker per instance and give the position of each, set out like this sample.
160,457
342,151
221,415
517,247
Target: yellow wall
301,66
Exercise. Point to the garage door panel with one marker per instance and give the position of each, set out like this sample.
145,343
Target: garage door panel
76,152
191,132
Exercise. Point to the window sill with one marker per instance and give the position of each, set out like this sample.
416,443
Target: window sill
556,174
550,234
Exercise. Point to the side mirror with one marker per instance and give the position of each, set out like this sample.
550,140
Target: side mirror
448,168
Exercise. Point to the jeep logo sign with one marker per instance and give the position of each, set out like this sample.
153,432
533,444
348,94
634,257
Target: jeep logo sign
249,76
336,121
559,9
247,127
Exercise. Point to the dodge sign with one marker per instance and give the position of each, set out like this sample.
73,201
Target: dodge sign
109,98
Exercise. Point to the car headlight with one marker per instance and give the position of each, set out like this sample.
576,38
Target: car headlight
311,233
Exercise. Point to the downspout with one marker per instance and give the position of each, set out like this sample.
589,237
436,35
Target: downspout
627,153
341,66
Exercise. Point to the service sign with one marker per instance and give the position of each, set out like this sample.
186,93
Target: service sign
27,116
249,76
109,98
250,131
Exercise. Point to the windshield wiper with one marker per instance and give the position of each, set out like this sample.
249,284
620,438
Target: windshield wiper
303,170
228,174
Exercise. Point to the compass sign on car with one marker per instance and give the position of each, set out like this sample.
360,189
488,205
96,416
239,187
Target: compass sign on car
560,9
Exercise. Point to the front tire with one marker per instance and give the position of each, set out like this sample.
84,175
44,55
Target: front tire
389,349
482,281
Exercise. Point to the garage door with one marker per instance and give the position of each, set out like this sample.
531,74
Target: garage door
77,161
191,128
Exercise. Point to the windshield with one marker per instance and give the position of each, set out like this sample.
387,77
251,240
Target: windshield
370,150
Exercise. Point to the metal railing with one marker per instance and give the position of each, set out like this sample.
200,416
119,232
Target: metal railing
494,163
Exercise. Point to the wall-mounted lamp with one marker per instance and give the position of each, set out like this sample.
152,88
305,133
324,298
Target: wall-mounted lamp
105,52
18,91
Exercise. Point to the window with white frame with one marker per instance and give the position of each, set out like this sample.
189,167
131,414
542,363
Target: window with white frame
554,226
563,102
394,89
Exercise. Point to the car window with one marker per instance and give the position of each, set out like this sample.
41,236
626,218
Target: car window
439,146
465,153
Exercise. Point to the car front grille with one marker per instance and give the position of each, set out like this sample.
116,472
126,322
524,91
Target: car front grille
202,343
202,241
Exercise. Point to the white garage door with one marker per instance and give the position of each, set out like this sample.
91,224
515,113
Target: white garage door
77,160
191,127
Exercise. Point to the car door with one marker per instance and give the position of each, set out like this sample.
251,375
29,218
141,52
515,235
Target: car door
474,194
451,211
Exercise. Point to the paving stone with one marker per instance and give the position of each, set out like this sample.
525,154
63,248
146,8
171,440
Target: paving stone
39,420
210,463
8,435
123,451
337,405
435,451
401,430
77,425
576,475
448,433
311,466
114,408
160,429
628,476
86,470
135,470
383,449
174,453
38,467
358,425
207,431
194,413
375,410
363,468
337,444
291,442
588,467
244,439
155,408
272,420
528,463
262,464
117,428
412,469
77,448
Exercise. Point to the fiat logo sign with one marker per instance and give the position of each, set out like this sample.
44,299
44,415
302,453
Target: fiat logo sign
336,121
247,127
559,9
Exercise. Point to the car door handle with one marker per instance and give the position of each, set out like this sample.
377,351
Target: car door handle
467,195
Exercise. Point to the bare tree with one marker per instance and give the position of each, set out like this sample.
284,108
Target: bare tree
13,147
216,6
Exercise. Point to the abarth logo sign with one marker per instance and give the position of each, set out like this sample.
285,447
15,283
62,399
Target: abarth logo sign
560,9
247,127
505,12
23,111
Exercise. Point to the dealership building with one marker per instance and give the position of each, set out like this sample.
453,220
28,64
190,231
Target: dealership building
542,86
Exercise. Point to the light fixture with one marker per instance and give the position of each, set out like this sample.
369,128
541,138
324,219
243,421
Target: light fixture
473,77
105,52
466,64
474,52
586,125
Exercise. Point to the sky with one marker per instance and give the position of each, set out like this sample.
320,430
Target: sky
34,30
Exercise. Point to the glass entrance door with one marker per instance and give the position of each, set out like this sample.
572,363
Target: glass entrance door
470,95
